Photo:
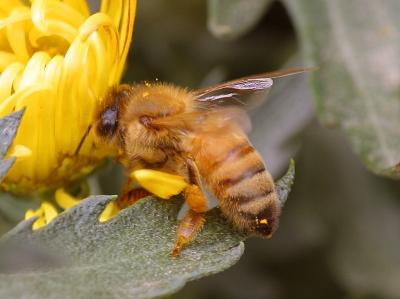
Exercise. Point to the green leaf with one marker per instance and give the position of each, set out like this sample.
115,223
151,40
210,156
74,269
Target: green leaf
128,257
8,128
230,19
5,165
356,46
284,185
75,256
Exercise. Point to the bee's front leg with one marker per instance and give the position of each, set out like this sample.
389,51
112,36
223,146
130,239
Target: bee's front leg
194,220
130,196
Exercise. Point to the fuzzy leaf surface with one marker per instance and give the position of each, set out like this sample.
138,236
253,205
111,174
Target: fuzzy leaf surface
8,129
127,257
75,256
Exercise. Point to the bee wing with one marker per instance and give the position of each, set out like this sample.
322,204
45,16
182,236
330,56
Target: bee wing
202,121
247,92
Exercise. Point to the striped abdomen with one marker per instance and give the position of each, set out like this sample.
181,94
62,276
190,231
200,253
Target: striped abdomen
236,174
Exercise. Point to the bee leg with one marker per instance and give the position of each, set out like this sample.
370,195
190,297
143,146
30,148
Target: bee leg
132,196
194,194
194,220
189,227
129,196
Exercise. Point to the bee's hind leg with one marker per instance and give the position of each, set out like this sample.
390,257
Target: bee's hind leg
188,228
194,220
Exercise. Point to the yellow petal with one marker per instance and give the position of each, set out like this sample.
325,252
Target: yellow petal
122,12
19,151
64,200
102,36
93,23
45,10
33,213
7,79
39,13
16,34
68,110
49,210
52,73
34,70
56,28
161,184
18,15
8,5
80,6
35,116
61,11
126,30
114,9
109,212
39,223
6,59
9,104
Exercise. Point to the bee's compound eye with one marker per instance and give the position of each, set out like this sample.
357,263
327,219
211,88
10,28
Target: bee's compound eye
109,122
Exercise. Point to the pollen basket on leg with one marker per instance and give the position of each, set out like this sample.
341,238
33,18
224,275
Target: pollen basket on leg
159,183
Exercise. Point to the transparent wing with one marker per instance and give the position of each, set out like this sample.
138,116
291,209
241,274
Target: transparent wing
202,121
247,92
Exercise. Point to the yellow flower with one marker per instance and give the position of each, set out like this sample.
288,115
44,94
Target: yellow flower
57,60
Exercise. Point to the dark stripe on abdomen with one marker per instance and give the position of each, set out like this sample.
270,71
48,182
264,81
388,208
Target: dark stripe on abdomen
259,196
239,151
248,174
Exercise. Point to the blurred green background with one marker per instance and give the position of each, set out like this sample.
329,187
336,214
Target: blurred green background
339,232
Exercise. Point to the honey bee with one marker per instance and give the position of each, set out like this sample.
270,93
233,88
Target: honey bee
201,136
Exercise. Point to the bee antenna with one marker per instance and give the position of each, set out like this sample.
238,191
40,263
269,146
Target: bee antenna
78,148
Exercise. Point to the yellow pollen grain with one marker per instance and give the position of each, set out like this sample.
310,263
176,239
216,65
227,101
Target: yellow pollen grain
19,151
65,200
33,213
41,222
161,184
145,94
264,221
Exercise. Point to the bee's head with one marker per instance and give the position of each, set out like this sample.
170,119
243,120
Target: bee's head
107,118
128,115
